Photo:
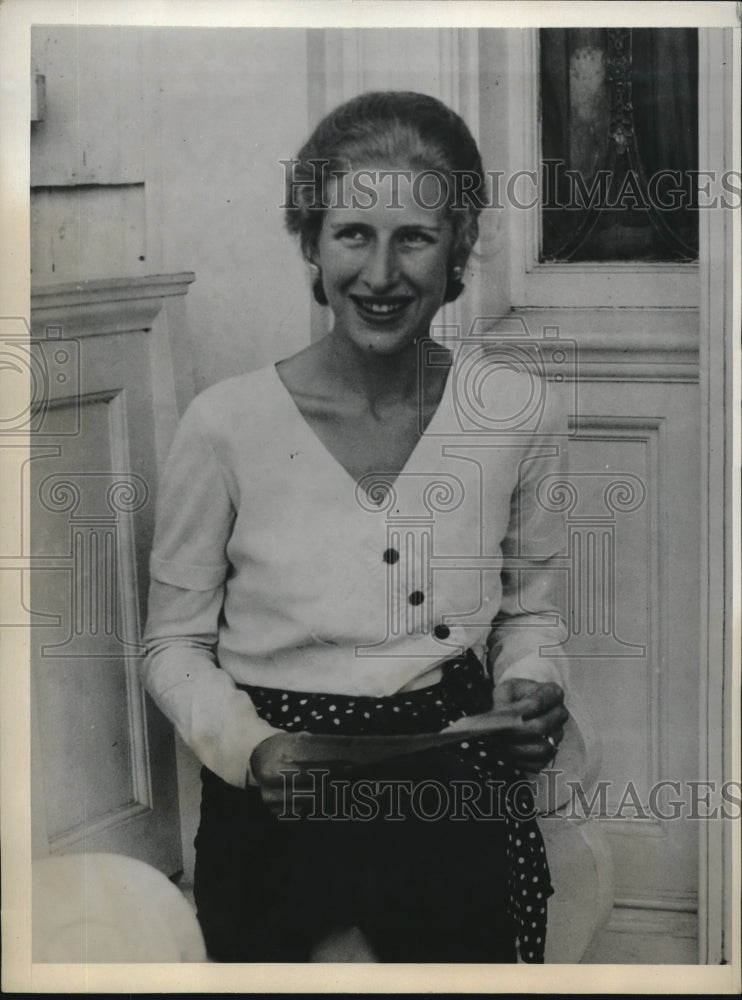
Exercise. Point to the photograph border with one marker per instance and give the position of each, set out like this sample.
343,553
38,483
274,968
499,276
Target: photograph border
719,372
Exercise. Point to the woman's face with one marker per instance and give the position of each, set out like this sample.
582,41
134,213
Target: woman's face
384,259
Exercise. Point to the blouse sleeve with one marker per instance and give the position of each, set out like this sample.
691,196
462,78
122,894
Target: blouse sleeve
529,626
188,568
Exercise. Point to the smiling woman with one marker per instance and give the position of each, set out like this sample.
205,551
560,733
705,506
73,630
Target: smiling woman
348,604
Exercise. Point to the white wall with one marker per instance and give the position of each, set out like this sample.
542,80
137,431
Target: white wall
225,107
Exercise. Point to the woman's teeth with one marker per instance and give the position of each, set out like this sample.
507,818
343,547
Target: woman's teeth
381,308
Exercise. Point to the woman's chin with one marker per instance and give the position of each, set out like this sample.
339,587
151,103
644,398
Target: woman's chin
386,342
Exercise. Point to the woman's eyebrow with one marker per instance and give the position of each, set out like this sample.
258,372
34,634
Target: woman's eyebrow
358,224
353,223
420,225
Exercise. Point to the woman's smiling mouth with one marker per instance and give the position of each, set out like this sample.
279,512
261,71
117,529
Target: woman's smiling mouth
381,307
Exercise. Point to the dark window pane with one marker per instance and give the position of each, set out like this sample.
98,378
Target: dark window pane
619,143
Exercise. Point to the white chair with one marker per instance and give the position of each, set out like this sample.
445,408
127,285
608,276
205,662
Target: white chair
110,908
580,858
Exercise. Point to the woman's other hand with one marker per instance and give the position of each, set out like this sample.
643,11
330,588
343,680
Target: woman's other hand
528,718
543,714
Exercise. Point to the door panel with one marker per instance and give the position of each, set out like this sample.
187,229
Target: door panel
104,756
635,660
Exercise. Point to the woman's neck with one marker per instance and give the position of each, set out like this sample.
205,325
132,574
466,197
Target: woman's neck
383,380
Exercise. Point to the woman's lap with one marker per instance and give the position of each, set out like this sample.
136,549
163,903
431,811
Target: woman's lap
267,889
421,889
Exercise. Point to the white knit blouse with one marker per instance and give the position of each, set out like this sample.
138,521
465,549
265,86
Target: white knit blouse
271,566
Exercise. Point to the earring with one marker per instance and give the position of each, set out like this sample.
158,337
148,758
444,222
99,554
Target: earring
318,289
454,285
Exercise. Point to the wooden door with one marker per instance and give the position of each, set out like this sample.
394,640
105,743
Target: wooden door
103,757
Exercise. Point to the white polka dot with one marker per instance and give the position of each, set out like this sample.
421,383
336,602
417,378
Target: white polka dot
528,909
366,715
284,708
303,701
336,721
464,746
521,861
331,708
297,718
535,878
532,835
284,697
517,843
396,708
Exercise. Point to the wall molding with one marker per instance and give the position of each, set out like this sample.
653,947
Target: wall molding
103,306
620,344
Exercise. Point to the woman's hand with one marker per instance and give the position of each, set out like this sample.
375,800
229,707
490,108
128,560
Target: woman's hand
279,764
289,767
525,714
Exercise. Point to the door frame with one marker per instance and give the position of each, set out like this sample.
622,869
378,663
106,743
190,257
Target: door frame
719,71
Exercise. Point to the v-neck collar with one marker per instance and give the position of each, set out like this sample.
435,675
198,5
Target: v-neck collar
429,431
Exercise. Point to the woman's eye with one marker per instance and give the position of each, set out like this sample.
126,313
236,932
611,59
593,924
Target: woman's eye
352,237
416,239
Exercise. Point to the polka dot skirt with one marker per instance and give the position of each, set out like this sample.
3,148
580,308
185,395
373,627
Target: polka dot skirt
464,690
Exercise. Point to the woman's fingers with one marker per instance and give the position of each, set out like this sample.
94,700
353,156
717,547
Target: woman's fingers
544,698
544,725
510,726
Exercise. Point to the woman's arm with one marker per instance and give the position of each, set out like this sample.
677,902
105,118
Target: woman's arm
216,719
523,647
188,567
529,626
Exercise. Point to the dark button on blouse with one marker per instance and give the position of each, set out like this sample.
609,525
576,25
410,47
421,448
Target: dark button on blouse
441,631
417,597
391,556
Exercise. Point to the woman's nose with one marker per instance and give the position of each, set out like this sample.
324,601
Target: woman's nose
381,270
